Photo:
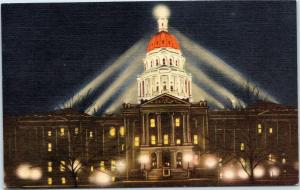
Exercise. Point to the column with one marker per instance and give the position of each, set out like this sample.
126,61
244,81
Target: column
184,129
143,130
172,130
158,119
147,129
188,129
173,158
159,158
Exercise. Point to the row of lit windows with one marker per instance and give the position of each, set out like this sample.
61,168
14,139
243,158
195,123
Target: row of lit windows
122,145
62,180
62,166
177,122
163,62
259,129
165,138
112,132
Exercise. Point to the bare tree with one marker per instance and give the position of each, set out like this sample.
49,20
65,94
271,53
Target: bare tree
251,151
70,158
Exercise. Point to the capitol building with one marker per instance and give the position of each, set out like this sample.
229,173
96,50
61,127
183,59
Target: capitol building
164,136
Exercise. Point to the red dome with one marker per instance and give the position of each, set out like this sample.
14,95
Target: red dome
163,39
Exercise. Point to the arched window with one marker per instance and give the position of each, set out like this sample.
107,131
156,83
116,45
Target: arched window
164,62
179,160
112,132
153,160
170,61
156,62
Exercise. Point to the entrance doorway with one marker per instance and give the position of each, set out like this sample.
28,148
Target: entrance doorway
153,160
166,158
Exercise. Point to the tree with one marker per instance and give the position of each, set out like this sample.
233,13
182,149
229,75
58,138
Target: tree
71,158
252,151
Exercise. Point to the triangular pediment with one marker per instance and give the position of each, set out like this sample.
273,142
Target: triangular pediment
165,99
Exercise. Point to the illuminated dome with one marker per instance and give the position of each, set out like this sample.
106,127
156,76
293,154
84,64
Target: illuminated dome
163,39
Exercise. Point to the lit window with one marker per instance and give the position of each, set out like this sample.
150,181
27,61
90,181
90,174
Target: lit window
122,131
112,132
178,141
136,141
166,139
92,168
91,134
49,180
270,130
102,165
195,139
113,178
153,139
283,160
49,166
76,130
259,130
49,147
177,122
62,131
270,157
49,133
242,146
63,180
152,123
112,165
62,166
122,147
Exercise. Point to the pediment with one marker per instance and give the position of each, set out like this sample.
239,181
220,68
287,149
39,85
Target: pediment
166,99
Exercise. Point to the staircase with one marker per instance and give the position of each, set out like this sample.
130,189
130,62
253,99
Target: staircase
179,173
155,174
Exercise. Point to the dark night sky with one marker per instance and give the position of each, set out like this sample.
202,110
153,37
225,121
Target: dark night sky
51,50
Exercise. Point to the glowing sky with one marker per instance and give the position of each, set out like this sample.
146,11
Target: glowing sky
52,51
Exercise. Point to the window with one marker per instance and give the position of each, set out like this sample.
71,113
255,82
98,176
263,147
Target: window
49,180
152,123
122,131
49,147
136,141
259,130
49,133
62,166
270,130
172,88
63,180
91,134
164,62
112,132
195,139
157,88
49,166
122,147
156,62
178,141
102,165
170,61
177,122
76,130
92,168
166,139
283,160
62,131
242,146
270,157
113,165
153,139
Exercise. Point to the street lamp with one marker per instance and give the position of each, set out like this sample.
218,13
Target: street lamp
26,171
100,178
144,159
188,157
